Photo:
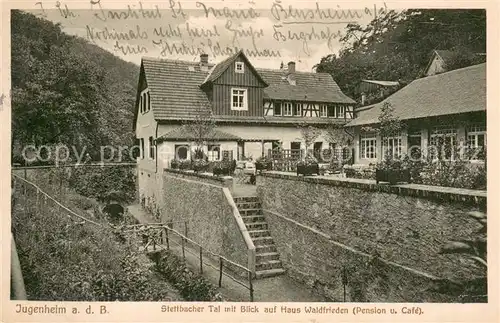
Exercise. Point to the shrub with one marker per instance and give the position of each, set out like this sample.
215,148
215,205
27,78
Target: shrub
192,287
460,174
99,182
63,260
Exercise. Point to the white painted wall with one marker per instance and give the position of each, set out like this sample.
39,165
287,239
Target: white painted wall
437,66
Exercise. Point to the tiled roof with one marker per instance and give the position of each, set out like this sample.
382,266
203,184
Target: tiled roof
317,87
176,94
174,88
222,66
184,133
457,91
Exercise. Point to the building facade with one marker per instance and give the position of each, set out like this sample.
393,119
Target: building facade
254,110
442,110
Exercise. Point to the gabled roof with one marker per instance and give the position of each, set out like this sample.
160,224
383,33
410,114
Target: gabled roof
175,91
312,87
184,133
445,55
221,67
458,91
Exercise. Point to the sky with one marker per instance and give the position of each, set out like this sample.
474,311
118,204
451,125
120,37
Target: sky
269,36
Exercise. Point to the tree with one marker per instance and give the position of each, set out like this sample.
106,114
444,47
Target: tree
202,128
337,136
66,90
397,46
309,135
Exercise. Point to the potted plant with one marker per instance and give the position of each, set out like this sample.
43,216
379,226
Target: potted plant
392,171
263,163
174,164
308,166
224,168
185,164
199,162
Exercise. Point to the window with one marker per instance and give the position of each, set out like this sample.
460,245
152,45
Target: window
239,99
341,113
144,102
391,147
213,152
287,109
368,146
297,110
323,111
181,152
415,143
142,148
277,109
151,148
239,67
331,111
476,141
442,142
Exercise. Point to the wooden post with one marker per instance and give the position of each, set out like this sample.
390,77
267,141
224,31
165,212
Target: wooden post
183,252
154,241
185,228
250,283
220,271
166,238
201,260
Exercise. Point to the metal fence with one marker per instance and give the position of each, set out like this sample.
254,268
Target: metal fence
163,235
158,236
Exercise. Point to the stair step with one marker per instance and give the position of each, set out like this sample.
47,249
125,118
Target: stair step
269,273
248,205
261,249
263,241
253,218
257,225
250,211
265,257
271,264
246,199
259,233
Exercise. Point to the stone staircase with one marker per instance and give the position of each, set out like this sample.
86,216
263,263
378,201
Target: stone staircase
267,262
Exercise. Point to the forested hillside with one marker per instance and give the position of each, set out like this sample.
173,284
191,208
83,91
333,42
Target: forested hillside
398,46
66,90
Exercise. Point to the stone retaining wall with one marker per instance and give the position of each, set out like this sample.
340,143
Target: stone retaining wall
324,226
204,202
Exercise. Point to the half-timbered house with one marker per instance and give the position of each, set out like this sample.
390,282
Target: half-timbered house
255,109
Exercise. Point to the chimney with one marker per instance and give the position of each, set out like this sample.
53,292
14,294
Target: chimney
204,59
291,73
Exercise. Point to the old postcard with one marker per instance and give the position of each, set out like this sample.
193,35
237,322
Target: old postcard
249,161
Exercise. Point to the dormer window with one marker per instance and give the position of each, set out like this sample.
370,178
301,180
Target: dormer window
239,67
239,99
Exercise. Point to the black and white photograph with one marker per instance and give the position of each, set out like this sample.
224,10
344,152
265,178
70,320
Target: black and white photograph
306,157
